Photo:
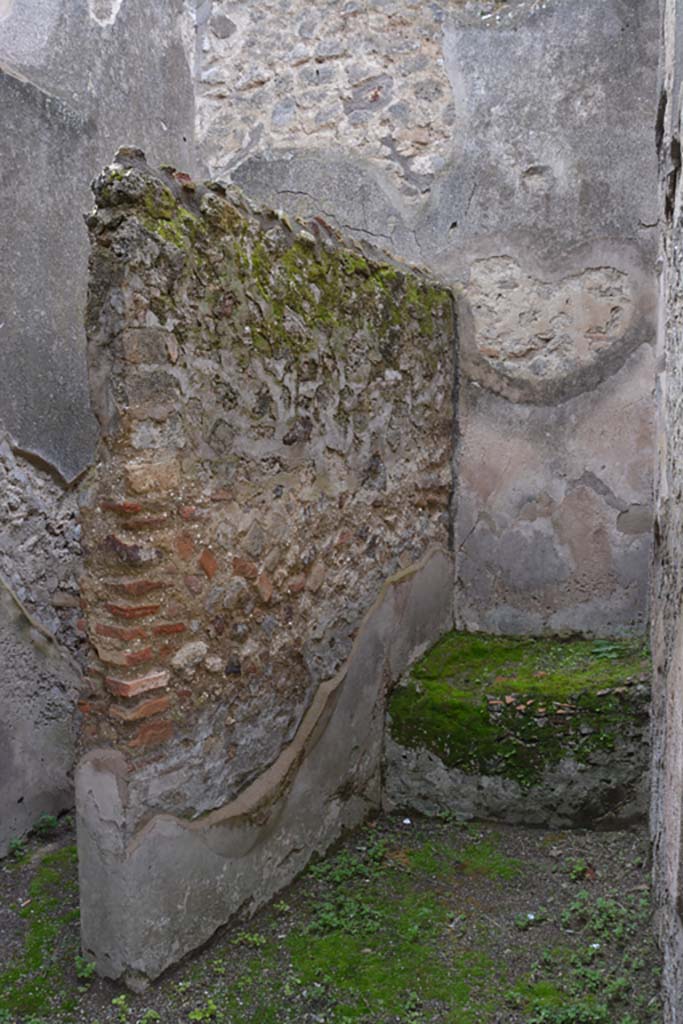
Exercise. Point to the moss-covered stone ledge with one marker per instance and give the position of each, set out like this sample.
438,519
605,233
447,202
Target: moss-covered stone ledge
537,731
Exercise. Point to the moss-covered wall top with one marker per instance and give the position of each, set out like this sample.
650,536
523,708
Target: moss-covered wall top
278,430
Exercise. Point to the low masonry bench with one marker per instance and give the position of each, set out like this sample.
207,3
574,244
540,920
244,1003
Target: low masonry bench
528,731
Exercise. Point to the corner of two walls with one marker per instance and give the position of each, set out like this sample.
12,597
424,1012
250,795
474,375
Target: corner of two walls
380,126
410,125
56,69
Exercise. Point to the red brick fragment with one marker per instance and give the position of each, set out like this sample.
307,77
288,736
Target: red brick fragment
139,657
166,652
207,561
153,706
188,512
295,584
132,687
243,567
129,554
122,508
136,588
168,628
184,546
120,632
140,611
151,734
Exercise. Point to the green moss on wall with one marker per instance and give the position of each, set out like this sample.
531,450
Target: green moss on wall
272,271
515,706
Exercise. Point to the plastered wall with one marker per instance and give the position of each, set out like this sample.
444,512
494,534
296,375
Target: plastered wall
508,147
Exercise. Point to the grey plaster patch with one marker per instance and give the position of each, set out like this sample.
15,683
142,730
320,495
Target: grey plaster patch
636,519
38,690
542,489
149,894
77,100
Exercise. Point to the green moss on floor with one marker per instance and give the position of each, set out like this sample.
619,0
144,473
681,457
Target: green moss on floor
422,922
514,706
29,981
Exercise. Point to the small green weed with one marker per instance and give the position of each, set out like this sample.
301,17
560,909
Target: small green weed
578,869
149,1017
46,825
206,1012
251,939
85,969
17,848
344,914
122,1007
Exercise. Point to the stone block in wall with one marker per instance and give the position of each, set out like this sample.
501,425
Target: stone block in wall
37,726
277,420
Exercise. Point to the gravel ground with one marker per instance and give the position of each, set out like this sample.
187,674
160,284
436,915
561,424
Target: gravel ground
410,921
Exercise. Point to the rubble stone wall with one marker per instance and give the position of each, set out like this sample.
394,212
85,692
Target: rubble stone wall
277,416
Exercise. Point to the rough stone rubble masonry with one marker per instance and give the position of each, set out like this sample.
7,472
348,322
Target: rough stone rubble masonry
266,535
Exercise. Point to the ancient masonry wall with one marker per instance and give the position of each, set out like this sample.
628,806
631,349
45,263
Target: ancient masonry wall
667,625
408,122
266,534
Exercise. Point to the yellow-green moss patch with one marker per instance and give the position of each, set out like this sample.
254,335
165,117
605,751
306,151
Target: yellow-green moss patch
513,706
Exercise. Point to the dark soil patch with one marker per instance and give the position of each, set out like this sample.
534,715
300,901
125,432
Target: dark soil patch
410,922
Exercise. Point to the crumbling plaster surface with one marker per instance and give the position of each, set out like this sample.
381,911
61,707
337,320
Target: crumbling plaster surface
266,534
667,621
410,124
37,726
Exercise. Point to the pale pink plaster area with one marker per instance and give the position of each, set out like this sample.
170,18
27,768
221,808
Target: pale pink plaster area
553,522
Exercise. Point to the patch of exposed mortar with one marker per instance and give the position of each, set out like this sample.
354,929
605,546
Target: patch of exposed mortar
104,12
529,330
40,547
